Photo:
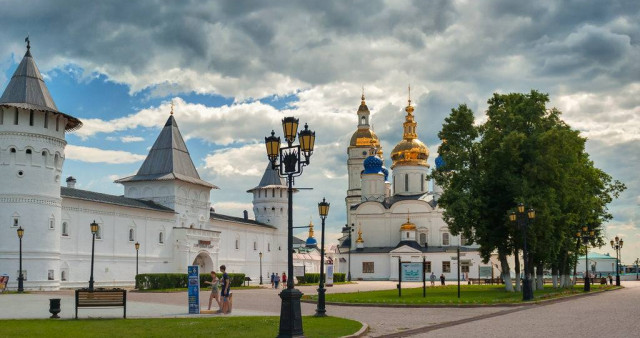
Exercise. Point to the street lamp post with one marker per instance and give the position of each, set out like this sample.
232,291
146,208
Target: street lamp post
347,231
260,254
20,275
290,161
616,244
586,235
323,210
523,221
94,230
137,245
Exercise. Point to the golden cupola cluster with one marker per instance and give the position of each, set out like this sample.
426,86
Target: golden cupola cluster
408,225
364,136
410,151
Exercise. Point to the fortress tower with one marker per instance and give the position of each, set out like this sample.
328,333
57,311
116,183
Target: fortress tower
32,143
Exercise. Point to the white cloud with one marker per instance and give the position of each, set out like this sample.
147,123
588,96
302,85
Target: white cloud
128,139
96,155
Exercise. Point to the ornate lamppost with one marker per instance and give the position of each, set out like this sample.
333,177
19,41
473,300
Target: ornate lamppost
94,231
260,255
137,245
586,235
323,210
523,221
347,230
290,160
616,244
20,275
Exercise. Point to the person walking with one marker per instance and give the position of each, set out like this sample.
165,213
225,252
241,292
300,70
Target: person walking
284,280
610,279
215,282
277,280
442,279
273,279
432,278
225,293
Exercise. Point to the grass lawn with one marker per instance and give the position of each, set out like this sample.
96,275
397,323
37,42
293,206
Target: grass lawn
316,284
177,327
447,295
202,289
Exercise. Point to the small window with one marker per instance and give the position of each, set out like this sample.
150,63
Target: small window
407,234
52,223
50,274
445,238
57,123
367,267
161,238
423,239
259,193
421,182
99,232
273,192
29,151
13,150
63,276
15,221
65,229
15,117
427,266
280,193
132,235
46,120
464,267
237,245
463,240
31,118
255,246
406,182
268,246
446,267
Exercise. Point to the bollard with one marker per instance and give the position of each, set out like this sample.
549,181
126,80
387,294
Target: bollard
54,307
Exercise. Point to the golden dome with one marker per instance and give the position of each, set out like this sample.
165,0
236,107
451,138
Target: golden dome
410,151
363,138
408,225
360,240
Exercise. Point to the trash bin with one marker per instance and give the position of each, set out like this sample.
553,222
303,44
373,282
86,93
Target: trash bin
54,307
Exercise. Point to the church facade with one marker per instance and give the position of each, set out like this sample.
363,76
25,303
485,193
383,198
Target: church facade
397,218
165,207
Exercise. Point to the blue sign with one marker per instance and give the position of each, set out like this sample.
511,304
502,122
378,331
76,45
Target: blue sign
412,272
193,289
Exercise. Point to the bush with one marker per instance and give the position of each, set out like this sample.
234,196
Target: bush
313,278
157,281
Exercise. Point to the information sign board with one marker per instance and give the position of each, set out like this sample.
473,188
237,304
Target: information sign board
329,275
412,272
193,289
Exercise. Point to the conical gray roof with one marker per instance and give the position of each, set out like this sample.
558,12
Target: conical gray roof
27,90
269,179
168,159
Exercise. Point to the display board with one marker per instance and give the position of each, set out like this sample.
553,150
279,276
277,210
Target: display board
412,272
329,275
193,288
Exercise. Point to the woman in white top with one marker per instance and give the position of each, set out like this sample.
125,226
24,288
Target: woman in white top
214,289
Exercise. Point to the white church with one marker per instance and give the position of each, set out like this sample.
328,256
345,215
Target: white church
165,207
401,219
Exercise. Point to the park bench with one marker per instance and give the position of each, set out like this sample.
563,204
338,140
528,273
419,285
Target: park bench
99,298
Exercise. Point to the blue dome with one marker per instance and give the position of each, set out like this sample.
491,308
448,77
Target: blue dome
311,241
386,174
439,162
372,165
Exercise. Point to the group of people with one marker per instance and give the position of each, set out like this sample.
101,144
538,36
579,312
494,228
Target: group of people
224,285
275,280
432,278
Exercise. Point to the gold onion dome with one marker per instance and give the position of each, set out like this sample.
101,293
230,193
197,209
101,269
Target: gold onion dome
364,136
408,225
410,151
359,240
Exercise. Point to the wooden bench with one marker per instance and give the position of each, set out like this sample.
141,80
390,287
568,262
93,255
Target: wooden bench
99,298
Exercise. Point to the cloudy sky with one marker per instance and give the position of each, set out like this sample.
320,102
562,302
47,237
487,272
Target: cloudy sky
235,68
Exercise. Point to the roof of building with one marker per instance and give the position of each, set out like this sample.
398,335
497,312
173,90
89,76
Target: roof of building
213,215
595,255
27,90
112,199
389,201
412,244
270,179
298,241
168,159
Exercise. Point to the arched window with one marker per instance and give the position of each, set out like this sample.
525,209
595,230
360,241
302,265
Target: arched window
255,246
161,238
273,192
445,238
406,182
52,223
31,117
132,235
423,239
57,122
15,117
63,276
268,246
421,182
237,244
463,240
65,229
407,234
46,120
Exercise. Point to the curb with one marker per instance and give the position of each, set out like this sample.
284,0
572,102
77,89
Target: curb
454,306
361,333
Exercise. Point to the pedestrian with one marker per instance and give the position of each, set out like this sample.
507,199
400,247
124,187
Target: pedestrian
610,279
284,280
277,280
215,282
225,284
433,279
442,279
273,279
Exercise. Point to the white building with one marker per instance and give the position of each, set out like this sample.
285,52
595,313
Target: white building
165,207
399,220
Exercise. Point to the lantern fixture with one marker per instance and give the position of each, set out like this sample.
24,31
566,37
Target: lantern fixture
273,146
137,245
323,208
531,213
20,232
521,207
94,227
307,140
290,128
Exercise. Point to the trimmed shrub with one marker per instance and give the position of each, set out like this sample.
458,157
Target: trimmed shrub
313,278
157,281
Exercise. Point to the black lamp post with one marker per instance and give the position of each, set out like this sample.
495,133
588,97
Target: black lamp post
323,210
290,161
347,230
94,230
616,244
586,235
260,254
20,275
137,245
523,220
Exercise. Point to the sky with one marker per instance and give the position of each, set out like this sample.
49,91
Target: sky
235,68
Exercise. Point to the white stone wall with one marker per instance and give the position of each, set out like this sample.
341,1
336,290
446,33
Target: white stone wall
415,176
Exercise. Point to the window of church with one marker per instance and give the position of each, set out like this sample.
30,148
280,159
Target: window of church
280,193
31,117
15,117
50,275
132,235
15,221
445,238
427,266
99,232
421,182
65,229
268,246
63,276
13,150
407,234
422,239
259,193
57,123
237,245
1,116
161,238
464,267
406,182
255,246
367,267
52,223
46,120
446,267
463,240
273,192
